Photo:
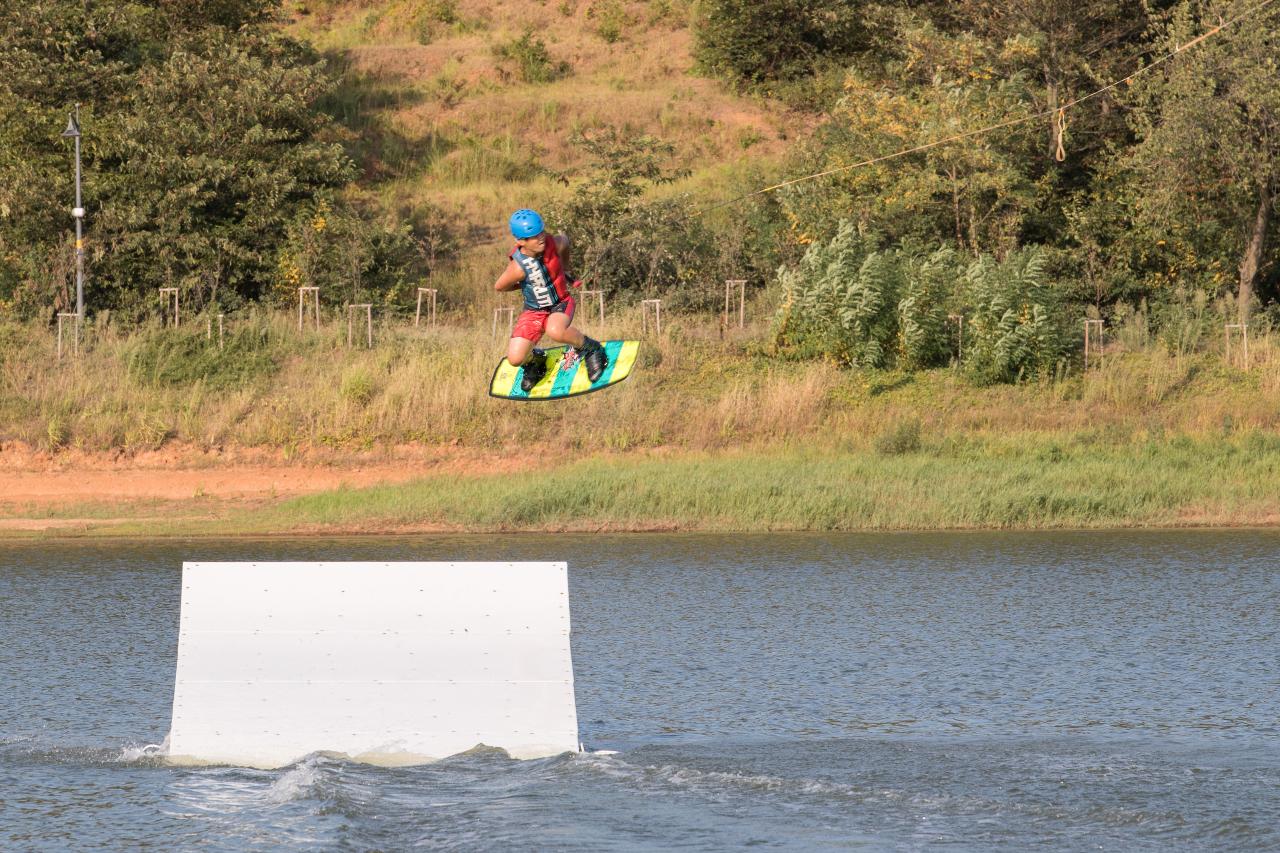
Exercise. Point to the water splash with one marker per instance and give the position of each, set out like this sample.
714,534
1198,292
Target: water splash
300,782
148,752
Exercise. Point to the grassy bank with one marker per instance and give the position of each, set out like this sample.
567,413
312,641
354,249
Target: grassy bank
1027,482
712,433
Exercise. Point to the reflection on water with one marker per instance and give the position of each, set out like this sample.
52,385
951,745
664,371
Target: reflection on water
985,691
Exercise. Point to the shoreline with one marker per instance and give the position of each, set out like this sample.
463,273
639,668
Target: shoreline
72,531
1014,486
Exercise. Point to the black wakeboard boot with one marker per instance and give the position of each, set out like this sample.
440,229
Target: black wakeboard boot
595,357
535,368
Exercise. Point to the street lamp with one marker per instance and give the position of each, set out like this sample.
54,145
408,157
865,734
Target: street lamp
73,132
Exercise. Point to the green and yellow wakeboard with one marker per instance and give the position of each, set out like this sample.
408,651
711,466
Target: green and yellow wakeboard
566,376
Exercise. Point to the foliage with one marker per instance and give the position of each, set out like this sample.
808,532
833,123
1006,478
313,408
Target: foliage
202,140
841,298
928,285
975,192
1206,166
1063,49
1166,186
350,256
755,41
750,235
861,305
629,246
531,59
871,307
611,19
1014,328
212,164
444,11
1187,319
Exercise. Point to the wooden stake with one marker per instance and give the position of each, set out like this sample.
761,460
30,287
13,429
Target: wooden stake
315,303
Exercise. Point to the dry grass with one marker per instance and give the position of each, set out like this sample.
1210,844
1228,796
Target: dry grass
276,387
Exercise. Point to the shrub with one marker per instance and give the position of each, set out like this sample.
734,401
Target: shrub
1186,319
532,60
349,255
627,245
754,41
656,248
841,301
357,386
1015,328
444,11
872,307
901,437
424,30
612,20
928,285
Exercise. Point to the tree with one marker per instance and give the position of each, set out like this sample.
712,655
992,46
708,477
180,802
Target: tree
1069,47
624,243
203,141
1207,159
975,191
213,152
755,41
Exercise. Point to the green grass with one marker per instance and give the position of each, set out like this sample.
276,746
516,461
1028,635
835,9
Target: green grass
164,356
1029,482
145,509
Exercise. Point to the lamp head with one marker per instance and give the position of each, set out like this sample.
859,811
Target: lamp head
73,129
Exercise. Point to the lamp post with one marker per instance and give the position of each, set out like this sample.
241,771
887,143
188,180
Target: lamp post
73,132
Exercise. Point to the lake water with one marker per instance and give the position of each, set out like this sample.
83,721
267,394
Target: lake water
979,691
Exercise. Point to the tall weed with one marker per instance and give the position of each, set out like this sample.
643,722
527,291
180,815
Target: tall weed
865,306
1015,329
928,285
180,357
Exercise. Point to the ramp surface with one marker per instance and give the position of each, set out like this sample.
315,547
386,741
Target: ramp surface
384,662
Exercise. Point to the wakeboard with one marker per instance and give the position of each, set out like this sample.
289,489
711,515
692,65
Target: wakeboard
566,373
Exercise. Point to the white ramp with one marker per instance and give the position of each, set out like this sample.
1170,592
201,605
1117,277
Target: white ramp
384,662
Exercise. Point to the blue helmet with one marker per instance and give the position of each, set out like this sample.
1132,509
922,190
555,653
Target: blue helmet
526,223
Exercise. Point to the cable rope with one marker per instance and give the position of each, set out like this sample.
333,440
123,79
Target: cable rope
1058,112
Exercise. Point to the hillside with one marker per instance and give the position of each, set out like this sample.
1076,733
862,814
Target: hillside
437,111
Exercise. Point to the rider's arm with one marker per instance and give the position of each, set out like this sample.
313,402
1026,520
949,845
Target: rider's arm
562,249
510,278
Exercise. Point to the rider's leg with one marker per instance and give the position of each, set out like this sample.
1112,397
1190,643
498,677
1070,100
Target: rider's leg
559,329
518,350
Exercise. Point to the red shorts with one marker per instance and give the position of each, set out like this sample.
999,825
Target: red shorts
531,324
